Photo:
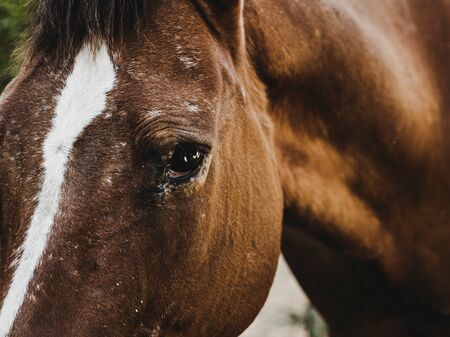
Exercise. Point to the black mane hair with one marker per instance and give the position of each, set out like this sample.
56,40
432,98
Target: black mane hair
60,27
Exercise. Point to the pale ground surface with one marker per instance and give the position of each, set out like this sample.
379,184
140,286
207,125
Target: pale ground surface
287,312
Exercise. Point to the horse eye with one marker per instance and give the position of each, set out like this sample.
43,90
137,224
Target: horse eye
185,161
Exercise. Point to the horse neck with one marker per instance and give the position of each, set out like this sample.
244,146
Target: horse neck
291,39
355,99
321,60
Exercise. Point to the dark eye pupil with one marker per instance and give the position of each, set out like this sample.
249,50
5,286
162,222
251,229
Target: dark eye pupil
185,159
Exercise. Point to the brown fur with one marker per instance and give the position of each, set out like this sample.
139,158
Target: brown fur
360,104
340,105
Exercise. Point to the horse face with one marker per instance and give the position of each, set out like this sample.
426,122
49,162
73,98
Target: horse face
139,190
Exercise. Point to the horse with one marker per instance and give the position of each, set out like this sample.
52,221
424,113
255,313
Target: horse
156,156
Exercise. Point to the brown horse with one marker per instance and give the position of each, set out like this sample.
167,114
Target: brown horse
150,152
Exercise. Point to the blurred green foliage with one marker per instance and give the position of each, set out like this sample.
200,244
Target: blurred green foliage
12,23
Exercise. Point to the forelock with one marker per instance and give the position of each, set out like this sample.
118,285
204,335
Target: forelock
59,28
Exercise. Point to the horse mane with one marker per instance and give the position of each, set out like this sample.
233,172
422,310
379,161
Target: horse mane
60,27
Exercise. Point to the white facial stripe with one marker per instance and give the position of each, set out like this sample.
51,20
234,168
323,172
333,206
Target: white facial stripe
82,99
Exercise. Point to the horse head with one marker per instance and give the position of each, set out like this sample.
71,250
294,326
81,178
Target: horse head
139,188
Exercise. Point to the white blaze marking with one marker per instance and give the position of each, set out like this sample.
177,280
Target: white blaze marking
82,99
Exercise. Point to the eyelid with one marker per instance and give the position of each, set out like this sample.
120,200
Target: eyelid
166,140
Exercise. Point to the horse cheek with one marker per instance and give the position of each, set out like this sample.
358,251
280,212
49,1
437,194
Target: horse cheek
250,216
